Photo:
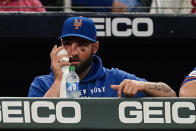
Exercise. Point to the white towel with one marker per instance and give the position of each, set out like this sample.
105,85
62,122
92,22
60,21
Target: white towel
65,70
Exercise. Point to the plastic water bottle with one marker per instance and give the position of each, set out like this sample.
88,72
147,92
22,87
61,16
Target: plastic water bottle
72,84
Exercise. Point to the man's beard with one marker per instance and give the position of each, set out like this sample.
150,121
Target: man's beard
84,64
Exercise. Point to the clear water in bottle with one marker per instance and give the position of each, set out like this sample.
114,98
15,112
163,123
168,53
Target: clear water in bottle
72,84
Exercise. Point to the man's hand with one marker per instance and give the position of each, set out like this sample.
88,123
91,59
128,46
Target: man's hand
56,62
153,89
57,65
129,87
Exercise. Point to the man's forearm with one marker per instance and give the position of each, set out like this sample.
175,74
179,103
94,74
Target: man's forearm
54,91
158,89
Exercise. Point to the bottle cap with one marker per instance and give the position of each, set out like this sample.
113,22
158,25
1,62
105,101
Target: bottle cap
72,68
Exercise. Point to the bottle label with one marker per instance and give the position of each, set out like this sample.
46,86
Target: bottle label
72,86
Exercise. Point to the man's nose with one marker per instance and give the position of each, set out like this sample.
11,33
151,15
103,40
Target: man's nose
74,49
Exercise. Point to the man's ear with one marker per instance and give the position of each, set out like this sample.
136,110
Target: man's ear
96,47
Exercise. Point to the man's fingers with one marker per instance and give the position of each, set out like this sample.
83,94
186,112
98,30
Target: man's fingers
65,63
134,92
58,49
52,51
55,50
115,87
127,90
54,47
64,56
118,88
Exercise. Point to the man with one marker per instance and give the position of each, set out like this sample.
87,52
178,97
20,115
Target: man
78,38
188,87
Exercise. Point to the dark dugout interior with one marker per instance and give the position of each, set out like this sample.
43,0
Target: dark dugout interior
27,39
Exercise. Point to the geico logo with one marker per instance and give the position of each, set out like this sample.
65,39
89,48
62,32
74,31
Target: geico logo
157,112
109,27
24,112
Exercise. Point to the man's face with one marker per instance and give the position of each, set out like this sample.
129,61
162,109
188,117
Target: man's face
81,52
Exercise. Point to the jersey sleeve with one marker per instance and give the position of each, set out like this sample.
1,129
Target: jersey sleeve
36,89
190,77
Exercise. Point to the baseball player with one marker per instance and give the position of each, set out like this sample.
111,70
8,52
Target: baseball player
188,87
78,38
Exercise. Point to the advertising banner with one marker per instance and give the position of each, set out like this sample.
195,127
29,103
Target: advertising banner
105,113
107,24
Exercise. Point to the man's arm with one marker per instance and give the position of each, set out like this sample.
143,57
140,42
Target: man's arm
153,89
158,89
54,91
188,89
56,64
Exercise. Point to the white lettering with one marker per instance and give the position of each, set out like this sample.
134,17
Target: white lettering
40,104
137,113
147,21
6,112
103,88
97,22
91,91
109,27
177,119
95,89
167,112
115,30
148,112
99,90
84,90
27,117
74,105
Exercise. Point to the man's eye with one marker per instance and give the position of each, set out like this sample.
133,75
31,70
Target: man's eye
67,43
82,44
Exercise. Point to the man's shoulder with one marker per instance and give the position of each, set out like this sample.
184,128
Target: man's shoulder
43,81
40,85
194,69
120,74
117,73
190,77
48,77
112,70
192,73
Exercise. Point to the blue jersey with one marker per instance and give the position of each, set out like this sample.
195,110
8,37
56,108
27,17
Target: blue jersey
191,76
95,84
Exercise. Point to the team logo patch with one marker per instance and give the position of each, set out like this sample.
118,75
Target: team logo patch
77,23
193,73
